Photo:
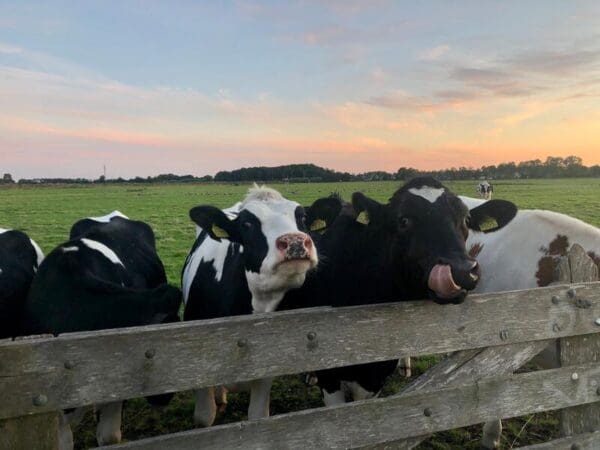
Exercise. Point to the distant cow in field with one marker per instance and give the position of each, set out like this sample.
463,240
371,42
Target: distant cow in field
108,275
245,258
485,190
524,255
410,248
20,258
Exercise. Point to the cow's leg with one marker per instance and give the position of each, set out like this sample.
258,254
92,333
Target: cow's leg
221,398
334,394
360,393
108,430
205,410
492,431
404,367
260,397
65,433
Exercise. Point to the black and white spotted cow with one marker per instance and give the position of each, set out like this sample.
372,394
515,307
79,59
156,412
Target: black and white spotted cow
108,275
20,258
245,258
485,190
410,248
524,255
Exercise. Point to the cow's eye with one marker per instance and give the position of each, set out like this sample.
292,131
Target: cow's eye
247,225
404,223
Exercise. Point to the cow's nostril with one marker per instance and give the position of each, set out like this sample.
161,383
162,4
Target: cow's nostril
282,244
308,243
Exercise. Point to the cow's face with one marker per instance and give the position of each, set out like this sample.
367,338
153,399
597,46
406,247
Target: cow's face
428,226
276,249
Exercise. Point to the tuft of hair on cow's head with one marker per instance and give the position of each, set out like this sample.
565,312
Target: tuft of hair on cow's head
276,248
427,226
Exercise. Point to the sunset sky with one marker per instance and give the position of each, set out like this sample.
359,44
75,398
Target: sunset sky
196,87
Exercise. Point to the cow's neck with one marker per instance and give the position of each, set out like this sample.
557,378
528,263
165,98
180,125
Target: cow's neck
266,301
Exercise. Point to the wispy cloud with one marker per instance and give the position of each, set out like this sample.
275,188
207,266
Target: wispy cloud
434,53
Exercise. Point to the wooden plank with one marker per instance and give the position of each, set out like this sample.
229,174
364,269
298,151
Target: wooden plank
580,349
86,368
372,421
39,432
467,366
586,441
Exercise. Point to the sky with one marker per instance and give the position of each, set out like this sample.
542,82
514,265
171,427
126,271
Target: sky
194,87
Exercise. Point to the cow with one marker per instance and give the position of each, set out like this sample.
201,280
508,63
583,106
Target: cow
524,255
485,190
20,258
107,275
243,261
411,248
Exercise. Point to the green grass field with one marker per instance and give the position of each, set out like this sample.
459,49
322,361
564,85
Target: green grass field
46,214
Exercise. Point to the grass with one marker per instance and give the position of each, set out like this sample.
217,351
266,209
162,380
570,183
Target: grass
46,213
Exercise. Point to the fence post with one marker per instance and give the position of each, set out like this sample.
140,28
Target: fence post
35,432
578,267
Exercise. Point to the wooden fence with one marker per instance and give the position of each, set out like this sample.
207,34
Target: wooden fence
490,336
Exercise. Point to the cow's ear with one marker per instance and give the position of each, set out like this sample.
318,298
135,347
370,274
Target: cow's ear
321,214
216,223
491,216
367,210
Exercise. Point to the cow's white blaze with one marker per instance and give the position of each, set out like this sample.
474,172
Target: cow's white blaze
429,193
3,230
108,217
100,247
73,248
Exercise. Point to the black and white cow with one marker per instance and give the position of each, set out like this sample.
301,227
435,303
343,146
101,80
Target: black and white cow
108,275
245,258
20,258
524,255
410,248
485,190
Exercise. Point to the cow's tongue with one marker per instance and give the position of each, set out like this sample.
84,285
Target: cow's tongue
441,281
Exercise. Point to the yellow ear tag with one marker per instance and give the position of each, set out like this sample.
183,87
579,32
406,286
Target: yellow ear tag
363,218
318,225
219,232
488,223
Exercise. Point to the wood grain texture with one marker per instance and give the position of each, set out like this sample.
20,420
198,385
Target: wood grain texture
113,364
586,441
368,422
35,432
463,367
580,349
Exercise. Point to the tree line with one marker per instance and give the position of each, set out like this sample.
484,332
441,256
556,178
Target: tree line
552,167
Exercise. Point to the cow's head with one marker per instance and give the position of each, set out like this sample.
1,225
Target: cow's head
428,226
275,247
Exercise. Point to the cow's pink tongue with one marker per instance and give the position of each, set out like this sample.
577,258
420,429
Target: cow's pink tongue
441,281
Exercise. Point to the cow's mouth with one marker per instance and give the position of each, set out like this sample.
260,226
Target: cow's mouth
442,287
299,262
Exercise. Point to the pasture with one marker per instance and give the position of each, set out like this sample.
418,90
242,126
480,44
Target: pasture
46,213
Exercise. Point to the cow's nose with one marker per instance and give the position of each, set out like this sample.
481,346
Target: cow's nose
294,245
466,273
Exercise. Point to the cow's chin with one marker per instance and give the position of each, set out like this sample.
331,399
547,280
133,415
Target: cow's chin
454,300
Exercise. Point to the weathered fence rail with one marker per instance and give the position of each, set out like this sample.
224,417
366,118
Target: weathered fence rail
493,334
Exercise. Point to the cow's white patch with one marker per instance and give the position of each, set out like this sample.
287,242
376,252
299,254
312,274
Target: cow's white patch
106,218
429,193
334,398
3,230
100,247
209,251
38,252
74,248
